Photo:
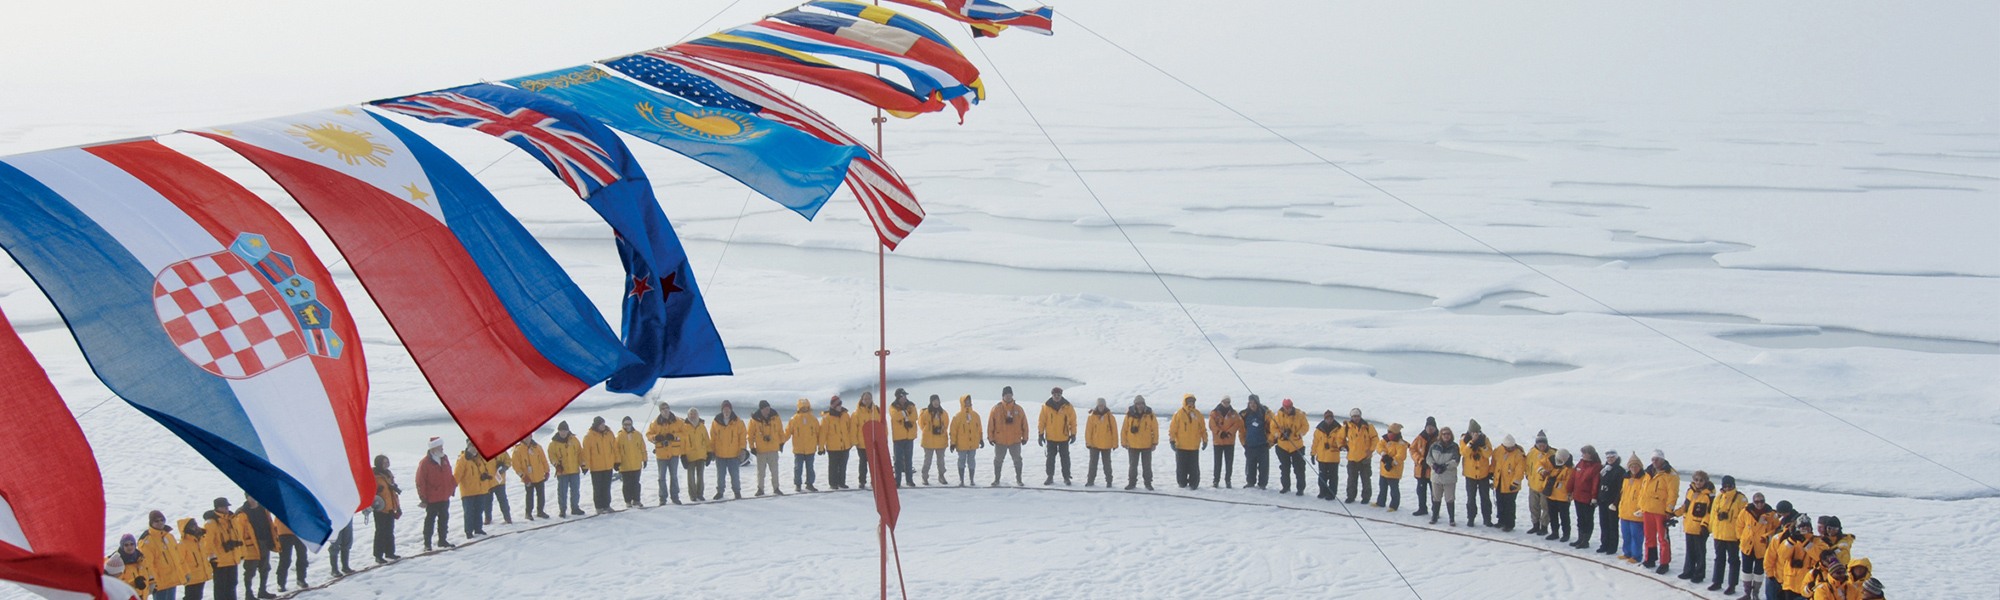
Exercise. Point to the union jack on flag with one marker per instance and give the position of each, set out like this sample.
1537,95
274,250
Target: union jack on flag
582,164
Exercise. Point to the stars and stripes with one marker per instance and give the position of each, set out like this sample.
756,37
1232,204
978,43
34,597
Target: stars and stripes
883,194
580,162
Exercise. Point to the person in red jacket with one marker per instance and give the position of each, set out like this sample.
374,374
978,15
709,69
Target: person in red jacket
1583,493
435,487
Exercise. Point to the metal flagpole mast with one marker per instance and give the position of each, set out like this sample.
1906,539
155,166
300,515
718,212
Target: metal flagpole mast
882,350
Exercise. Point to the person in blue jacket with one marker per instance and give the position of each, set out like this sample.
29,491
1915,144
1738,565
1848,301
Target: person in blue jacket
1256,445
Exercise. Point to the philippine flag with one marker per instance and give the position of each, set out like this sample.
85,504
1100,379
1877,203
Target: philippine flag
504,336
201,306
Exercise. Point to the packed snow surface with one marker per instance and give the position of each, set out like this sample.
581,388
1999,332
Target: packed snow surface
1713,245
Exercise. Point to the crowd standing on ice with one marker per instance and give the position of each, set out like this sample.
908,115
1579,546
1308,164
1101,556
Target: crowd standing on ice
1766,551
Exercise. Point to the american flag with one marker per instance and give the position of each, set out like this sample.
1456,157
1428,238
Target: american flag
580,162
883,194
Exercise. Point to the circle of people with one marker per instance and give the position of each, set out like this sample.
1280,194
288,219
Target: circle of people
1773,552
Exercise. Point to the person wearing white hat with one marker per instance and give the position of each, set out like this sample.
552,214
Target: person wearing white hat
1359,438
435,487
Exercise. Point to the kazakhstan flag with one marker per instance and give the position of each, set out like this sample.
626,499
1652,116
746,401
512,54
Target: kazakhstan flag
786,165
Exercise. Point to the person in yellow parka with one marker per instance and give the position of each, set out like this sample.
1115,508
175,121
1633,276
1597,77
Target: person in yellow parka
1727,514
1850,583
131,566
499,466
1394,452
631,460
1631,521
1755,528
837,433
1224,426
1510,464
600,458
1360,445
697,453
967,437
475,477
767,438
866,415
936,425
1696,512
1188,432
532,462
1656,503
903,439
197,558
566,461
1007,428
1057,427
805,434
1555,490
224,541
669,434
163,554
1140,434
729,441
1476,462
1539,457
1100,437
1288,433
1327,441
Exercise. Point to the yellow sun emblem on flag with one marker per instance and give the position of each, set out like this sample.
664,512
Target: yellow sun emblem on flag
353,147
721,126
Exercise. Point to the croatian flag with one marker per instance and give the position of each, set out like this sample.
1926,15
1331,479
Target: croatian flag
166,273
666,320
503,335
794,169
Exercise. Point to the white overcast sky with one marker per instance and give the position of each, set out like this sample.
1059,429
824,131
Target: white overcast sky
148,64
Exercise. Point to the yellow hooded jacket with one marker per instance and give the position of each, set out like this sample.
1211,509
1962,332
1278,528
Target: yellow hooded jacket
631,450
669,437
474,474
600,451
222,540
1007,424
767,435
1628,496
566,455
1100,430
1509,464
1476,458
1661,492
1288,431
865,416
195,554
1188,430
1141,429
839,432
903,421
728,436
1393,456
936,426
1727,516
698,446
163,558
531,461
966,432
805,430
1327,440
1361,437
1539,465
1697,511
1058,423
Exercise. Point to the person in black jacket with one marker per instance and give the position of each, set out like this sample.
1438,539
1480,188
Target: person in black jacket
260,568
1609,486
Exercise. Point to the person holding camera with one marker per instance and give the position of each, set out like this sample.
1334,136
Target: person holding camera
1224,426
1476,455
728,441
1140,434
1420,449
1657,499
1327,440
1510,464
1007,428
532,461
967,437
224,542
903,437
1392,449
1057,427
669,434
475,477
1556,491
1289,428
767,438
936,426
1729,511
1359,442
1443,458
1695,512
1100,437
837,435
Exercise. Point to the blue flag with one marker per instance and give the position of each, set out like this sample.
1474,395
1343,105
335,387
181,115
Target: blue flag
784,164
666,320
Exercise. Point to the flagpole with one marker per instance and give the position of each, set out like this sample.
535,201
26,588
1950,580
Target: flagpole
882,350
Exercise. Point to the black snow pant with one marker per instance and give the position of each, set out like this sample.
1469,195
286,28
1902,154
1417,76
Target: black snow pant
1391,495
1292,467
192,591
1728,558
1507,503
1187,468
1697,556
473,506
1481,492
290,549
1423,493
1134,472
258,569
1585,515
1329,480
1607,528
1358,479
1256,466
600,489
1098,456
1223,469
630,487
1559,519
836,466
337,552
225,583
904,465
1057,451
385,536
437,516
